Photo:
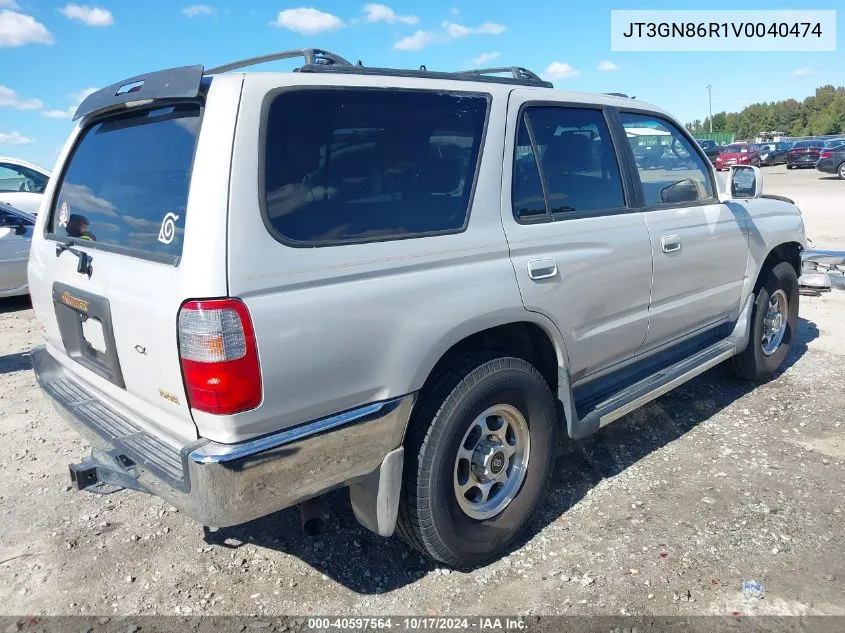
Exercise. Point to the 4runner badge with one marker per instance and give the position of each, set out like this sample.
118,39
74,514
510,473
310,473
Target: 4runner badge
168,228
64,214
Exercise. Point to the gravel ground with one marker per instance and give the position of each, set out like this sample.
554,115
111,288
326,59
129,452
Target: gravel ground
666,511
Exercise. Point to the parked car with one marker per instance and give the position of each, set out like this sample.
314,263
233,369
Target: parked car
804,154
739,153
357,305
832,161
772,153
22,184
15,236
711,148
830,143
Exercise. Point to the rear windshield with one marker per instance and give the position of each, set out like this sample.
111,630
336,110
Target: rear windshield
801,144
357,165
735,149
126,185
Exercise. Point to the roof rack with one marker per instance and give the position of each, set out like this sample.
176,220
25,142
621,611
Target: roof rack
312,56
517,72
619,94
318,60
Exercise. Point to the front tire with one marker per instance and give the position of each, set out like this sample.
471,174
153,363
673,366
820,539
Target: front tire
479,456
774,320
841,171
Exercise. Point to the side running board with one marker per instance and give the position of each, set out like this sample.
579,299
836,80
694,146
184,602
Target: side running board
639,393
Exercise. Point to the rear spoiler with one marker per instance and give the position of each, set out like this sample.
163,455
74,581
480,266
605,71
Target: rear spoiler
172,83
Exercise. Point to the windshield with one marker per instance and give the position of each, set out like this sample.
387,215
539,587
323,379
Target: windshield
126,184
805,144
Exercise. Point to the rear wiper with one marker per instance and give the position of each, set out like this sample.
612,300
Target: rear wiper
83,266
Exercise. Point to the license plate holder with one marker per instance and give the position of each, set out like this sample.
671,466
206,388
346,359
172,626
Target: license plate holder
85,324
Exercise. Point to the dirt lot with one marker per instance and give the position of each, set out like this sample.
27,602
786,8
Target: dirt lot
666,511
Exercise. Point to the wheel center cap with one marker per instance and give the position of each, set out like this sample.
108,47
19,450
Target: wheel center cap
777,322
489,460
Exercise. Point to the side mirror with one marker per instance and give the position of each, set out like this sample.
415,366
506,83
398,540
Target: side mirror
682,191
746,182
20,229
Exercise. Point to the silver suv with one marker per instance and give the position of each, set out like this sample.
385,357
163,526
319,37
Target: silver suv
258,287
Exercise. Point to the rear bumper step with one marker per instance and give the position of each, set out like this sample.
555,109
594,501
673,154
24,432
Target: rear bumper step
218,484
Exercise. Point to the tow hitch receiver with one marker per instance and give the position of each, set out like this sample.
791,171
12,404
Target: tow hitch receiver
104,473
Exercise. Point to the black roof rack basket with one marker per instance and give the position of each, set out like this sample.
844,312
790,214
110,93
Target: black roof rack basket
523,75
312,56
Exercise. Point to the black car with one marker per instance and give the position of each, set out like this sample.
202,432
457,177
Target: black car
772,153
710,147
804,154
832,161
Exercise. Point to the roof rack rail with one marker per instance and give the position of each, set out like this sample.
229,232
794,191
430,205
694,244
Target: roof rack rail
312,56
619,94
517,72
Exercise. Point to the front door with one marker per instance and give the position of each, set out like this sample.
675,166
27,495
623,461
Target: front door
700,245
581,255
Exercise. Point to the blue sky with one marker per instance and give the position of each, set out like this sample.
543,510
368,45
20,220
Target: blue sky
52,52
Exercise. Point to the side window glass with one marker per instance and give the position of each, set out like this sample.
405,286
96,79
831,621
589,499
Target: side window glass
11,179
527,190
577,159
671,171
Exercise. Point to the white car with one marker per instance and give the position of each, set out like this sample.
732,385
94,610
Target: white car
15,238
22,184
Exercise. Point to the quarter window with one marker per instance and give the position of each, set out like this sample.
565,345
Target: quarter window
671,170
354,165
577,164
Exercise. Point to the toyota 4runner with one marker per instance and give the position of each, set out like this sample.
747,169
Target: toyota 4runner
255,288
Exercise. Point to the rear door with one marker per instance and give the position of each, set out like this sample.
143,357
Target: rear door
581,255
700,245
123,243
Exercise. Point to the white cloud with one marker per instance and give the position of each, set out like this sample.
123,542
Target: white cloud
9,99
17,29
560,70
490,28
76,98
607,66
450,31
484,58
90,16
8,4
14,138
199,9
802,72
383,13
307,21
415,42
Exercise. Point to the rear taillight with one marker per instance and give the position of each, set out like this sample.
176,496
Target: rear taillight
826,154
219,356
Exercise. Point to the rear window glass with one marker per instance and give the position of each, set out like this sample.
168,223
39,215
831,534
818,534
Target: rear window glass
361,164
804,144
127,183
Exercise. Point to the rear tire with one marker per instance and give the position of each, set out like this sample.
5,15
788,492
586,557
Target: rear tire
773,324
841,171
788,166
432,517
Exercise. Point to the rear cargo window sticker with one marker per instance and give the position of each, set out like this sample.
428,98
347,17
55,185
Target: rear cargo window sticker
64,214
168,228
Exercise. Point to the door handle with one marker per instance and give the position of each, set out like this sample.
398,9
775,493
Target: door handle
670,243
542,269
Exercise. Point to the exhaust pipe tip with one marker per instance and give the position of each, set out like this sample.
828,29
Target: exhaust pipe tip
312,515
314,526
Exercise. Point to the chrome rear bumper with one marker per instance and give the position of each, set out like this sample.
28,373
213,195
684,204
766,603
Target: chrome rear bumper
226,484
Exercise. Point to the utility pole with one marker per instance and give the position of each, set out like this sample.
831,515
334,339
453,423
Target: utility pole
710,99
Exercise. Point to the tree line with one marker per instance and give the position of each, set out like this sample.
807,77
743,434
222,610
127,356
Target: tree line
820,114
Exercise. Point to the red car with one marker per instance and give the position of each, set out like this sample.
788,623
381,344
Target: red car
740,153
